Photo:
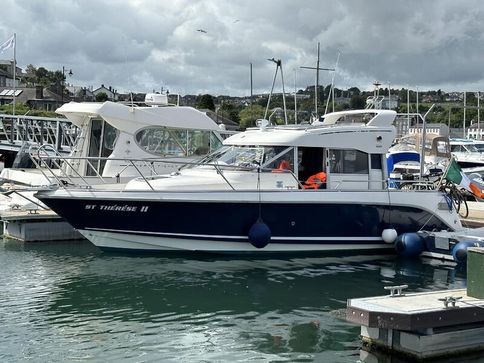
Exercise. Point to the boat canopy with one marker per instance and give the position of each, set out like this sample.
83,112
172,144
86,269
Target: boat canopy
130,119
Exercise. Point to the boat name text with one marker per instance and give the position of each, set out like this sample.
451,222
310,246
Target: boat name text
117,208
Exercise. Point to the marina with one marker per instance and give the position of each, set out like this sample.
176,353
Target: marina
428,325
164,198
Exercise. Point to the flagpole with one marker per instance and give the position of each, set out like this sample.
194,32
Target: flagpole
14,70
445,173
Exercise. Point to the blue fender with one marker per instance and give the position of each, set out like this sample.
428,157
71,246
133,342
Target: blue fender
459,251
409,244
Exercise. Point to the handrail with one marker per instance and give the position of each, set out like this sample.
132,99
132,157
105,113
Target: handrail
57,131
46,155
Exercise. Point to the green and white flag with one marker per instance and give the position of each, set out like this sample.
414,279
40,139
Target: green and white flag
457,176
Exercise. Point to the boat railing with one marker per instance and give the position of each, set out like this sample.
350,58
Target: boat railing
425,183
17,129
62,171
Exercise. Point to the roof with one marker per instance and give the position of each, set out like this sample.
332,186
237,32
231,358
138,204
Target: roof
30,94
130,119
374,137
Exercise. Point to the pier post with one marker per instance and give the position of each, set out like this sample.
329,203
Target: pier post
475,272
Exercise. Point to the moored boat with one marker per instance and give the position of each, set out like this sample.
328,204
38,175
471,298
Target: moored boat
297,188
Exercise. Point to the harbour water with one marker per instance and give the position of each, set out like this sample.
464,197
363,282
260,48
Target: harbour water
63,302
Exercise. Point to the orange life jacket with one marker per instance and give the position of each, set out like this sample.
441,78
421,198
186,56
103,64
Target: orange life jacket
315,181
284,167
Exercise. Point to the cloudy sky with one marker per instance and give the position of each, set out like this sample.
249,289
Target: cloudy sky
143,45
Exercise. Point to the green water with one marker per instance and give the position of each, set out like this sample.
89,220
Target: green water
68,302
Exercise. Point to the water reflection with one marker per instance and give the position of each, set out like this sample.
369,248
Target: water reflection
71,301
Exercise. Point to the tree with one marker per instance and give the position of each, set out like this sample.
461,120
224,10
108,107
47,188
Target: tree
357,102
354,91
30,77
43,77
249,115
101,97
205,102
229,111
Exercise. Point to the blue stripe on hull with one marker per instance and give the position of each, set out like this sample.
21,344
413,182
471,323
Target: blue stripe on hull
290,220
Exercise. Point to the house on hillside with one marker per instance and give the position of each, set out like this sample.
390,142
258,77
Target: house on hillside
110,92
38,97
6,74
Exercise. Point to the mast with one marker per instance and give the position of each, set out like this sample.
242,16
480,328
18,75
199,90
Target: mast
464,132
295,98
478,117
250,82
317,68
389,97
14,70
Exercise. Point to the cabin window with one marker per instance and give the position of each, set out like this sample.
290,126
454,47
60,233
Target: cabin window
456,148
165,141
375,161
252,157
110,136
442,147
198,142
215,142
101,144
278,158
348,162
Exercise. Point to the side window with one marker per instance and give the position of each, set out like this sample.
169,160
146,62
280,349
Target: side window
215,142
198,142
455,148
375,161
283,162
348,162
161,141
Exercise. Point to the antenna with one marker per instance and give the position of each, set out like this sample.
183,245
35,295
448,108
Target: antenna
251,82
278,63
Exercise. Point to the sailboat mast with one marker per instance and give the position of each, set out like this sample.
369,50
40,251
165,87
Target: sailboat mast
317,86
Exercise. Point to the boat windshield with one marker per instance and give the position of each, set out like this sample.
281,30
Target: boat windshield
249,157
471,148
479,147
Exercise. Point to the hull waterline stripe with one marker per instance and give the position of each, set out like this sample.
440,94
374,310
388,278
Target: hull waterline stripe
223,237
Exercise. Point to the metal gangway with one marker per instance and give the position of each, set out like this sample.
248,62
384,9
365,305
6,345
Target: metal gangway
16,130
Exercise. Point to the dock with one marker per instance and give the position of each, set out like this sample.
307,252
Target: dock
36,225
425,325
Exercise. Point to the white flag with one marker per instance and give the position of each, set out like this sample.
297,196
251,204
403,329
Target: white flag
8,44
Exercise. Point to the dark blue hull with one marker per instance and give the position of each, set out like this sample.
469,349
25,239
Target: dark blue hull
289,223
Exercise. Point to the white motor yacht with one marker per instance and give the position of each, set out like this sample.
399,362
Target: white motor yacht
159,137
296,188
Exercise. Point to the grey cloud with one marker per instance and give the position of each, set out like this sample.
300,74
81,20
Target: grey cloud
141,45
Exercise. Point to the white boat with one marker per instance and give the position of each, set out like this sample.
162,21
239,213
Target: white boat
160,137
403,158
239,198
466,153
